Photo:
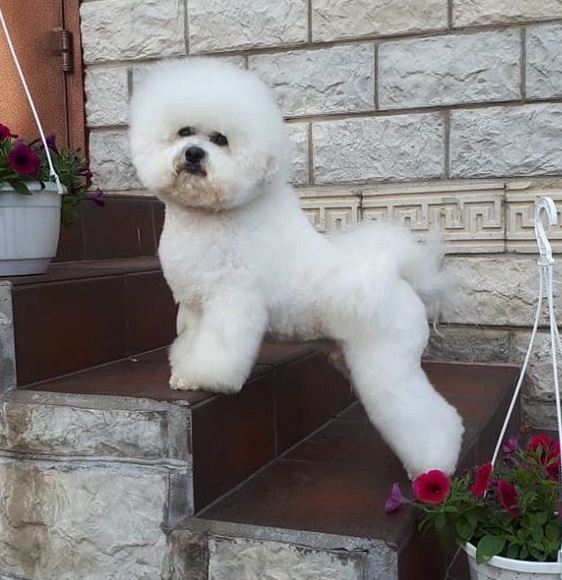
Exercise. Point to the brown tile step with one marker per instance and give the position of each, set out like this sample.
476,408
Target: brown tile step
83,314
292,391
328,491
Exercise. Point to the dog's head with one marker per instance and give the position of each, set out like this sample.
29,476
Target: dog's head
206,134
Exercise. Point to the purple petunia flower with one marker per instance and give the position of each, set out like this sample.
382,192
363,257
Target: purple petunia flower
51,139
24,160
99,197
5,133
84,170
511,445
395,500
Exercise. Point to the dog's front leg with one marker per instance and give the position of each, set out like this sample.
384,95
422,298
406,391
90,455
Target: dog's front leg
217,350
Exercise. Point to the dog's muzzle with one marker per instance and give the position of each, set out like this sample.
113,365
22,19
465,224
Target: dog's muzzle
194,158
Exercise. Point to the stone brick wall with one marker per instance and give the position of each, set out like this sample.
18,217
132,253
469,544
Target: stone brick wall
444,114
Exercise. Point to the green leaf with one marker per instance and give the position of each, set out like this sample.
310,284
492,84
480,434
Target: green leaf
465,529
488,547
20,187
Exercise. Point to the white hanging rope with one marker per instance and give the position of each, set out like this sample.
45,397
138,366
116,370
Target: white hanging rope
546,271
52,173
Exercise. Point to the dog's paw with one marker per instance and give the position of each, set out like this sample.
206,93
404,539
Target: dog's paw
180,383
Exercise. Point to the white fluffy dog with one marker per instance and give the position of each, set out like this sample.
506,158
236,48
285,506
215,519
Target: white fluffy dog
242,259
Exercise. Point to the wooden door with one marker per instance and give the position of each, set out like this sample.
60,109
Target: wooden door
35,27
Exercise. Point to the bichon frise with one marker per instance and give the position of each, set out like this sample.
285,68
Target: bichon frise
243,260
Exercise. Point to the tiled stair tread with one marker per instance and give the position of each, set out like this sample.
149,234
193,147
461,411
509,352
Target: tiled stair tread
63,271
337,480
147,375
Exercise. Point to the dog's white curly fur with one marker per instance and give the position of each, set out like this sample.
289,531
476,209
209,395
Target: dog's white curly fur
242,259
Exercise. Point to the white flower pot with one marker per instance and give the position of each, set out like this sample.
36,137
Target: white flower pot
499,568
29,229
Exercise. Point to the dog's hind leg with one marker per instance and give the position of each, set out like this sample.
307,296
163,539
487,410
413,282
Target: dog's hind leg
217,345
421,427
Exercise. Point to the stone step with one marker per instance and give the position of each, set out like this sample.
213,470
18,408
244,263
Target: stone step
319,506
82,314
134,480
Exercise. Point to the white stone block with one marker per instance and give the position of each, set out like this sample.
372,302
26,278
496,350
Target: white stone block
496,290
312,82
7,346
448,70
477,12
76,522
544,61
539,378
107,96
339,19
256,560
216,25
110,161
139,71
381,149
132,29
61,430
299,133
506,141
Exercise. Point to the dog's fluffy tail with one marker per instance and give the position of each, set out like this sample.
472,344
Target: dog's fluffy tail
419,263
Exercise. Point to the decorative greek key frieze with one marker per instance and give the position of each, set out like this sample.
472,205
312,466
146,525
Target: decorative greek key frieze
520,213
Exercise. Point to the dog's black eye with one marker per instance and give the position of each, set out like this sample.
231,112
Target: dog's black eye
219,139
186,132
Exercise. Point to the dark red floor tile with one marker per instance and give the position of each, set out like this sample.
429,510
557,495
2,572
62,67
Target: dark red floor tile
61,328
71,242
144,376
124,228
471,379
355,412
308,393
274,353
349,443
316,496
151,312
67,271
232,436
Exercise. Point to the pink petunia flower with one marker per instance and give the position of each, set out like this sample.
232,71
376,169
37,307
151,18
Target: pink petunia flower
483,476
24,160
507,495
432,487
548,452
395,500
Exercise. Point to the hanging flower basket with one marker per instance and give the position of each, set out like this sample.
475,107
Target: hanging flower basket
29,229
506,513
499,568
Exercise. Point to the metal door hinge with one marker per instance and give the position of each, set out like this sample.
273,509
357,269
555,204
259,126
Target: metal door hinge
64,47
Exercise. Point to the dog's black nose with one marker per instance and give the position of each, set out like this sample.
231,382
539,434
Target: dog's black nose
194,154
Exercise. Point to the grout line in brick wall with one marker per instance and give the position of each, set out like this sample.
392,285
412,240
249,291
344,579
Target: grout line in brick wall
310,155
523,64
340,116
447,143
320,45
376,76
309,22
186,25
450,14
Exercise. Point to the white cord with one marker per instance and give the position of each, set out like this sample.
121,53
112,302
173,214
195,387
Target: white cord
523,370
52,172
